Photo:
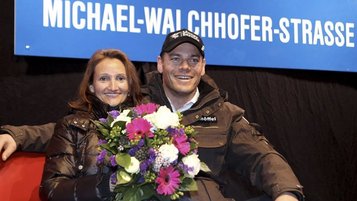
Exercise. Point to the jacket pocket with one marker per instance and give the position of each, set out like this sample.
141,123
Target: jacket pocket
212,143
211,136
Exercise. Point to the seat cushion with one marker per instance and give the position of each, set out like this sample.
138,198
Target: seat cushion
21,176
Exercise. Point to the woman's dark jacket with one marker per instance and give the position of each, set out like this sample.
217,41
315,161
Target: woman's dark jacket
71,171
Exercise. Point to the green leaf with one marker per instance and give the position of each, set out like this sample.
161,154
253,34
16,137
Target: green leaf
121,124
148,191
104,131
123,177
101,125
188,184
113,144
110,119
133,194
163,198
204,167
123,159
112,150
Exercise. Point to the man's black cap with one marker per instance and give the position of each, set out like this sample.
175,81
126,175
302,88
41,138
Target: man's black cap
176,38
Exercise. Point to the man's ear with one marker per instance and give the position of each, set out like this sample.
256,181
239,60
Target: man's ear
91,88
159,64
203,67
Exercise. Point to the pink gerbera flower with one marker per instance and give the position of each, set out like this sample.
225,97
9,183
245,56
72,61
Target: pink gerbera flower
168,181
139,128
144,109
180,142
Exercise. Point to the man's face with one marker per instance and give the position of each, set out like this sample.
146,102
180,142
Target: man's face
181,70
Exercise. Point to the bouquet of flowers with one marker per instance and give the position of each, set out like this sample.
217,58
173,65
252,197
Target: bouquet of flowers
153,154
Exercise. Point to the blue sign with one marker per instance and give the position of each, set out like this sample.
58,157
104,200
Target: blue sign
318,35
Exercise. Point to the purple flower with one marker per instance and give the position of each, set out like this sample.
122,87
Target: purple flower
141,143
114,113
113,178
101,156
113,162
175,131
185,168
103,120
152,155
144,166
141,180
133,150
101,142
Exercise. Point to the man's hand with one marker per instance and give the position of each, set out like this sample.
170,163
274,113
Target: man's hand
286,197
7,146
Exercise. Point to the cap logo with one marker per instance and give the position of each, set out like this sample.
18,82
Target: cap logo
174,39
185,33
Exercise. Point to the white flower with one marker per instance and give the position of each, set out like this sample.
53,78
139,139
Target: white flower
123,116
134,166
168,152
193,163
163,118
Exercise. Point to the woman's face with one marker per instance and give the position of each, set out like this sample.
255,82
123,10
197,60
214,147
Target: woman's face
110,82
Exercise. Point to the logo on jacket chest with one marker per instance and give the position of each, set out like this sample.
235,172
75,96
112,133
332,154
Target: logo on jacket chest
208,119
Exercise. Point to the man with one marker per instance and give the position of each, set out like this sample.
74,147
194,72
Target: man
242,161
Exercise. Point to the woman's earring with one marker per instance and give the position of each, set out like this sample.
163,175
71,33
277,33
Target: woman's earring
91,88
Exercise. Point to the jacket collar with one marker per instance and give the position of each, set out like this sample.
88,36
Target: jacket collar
210,99
100,109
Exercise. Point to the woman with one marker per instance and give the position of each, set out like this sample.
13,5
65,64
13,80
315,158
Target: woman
71,173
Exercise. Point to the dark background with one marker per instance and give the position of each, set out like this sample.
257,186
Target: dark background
310,116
